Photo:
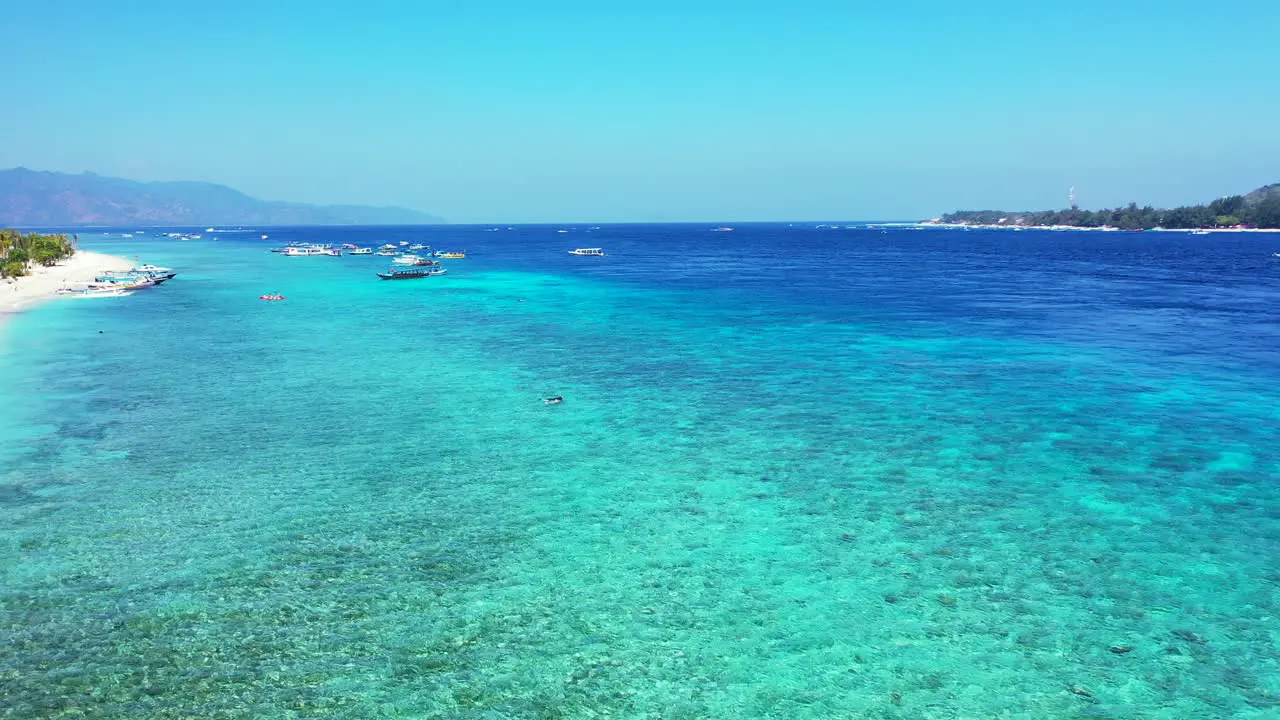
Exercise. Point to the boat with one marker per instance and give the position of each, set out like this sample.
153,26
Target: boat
415,260
349,246
418,246
157,274
311,250
589,252
130,279
361,251
729,229
273,297
387,253
406,273
1199,232
95,292
437,270
450,255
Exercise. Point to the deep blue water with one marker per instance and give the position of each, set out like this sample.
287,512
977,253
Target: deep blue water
799,472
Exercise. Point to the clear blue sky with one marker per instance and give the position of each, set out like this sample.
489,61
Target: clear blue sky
510,111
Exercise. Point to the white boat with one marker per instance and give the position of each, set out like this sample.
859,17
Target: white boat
96,292
387,253
407,260
361,251
310,251
152,269
418,246
590,252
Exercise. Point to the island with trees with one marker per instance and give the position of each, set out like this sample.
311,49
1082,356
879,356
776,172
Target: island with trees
19,250
1259,209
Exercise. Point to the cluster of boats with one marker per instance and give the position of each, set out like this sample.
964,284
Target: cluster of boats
299,249
122,283
413,260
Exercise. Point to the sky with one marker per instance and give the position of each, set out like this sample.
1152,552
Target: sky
556,111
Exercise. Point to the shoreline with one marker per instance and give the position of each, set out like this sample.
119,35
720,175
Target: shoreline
42,283
1059,228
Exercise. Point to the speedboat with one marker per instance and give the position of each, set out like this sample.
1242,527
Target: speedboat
407,260
450,255
418,246
406,274
387,253
589,252
360,251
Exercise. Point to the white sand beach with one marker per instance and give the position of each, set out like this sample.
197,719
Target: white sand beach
42,283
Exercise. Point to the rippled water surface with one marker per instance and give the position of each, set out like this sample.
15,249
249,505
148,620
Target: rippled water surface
798,473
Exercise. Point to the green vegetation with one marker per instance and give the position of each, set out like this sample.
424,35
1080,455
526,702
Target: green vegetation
1258,209
19,250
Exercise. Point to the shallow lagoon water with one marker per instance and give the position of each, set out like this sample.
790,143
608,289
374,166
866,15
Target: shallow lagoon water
799,473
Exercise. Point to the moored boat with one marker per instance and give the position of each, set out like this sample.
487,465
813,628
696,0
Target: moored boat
449,255
589,252
311,250
361,251
95,292
405,274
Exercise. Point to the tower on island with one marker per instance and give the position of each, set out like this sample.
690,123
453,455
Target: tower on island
1071,198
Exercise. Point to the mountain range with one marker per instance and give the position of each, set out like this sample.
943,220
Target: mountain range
31,198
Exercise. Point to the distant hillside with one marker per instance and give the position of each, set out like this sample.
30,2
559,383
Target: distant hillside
1258,209
29,198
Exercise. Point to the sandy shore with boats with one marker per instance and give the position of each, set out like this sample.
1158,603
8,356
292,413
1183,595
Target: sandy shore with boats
42,283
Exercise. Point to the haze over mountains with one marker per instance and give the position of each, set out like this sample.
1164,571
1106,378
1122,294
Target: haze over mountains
30,198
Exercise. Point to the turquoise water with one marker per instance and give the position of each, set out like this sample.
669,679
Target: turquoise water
798,474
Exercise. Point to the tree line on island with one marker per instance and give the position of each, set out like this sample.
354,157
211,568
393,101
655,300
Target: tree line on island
18,251
1258,209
